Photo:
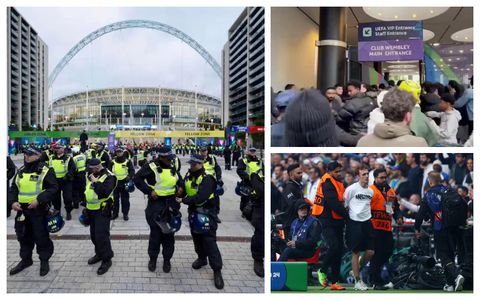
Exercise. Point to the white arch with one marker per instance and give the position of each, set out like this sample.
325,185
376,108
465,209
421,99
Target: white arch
134,24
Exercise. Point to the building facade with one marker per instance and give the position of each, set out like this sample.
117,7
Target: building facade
244,64
27,77
179,109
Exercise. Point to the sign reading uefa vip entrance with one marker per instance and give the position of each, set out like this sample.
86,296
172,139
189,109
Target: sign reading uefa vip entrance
389,41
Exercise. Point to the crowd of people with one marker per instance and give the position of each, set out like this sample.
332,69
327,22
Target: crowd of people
359,199
402,113
98,181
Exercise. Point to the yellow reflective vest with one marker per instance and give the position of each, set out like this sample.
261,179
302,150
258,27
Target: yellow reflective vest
30,185
93,203
165,181
120,170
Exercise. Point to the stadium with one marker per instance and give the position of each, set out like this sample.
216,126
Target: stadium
102,109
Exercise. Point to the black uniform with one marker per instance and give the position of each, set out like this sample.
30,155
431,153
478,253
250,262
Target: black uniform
155,207
258,218
218,177
242,172
120,191
78,188
65,186
100,219
291,194
104,157
205,244
227,154
10,173
33,230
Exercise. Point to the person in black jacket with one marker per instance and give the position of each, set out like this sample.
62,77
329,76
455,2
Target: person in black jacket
292,192
304,234
355,113
65,170
227,154
123,169
101,184
161,203
32,210
445,238
83,141
258,221
11,168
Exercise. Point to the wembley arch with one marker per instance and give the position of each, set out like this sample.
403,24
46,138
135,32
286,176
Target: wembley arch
134,24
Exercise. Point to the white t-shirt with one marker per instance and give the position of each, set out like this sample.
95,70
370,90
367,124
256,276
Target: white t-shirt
357,199
311,190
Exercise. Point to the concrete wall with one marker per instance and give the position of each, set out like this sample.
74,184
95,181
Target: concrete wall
293,48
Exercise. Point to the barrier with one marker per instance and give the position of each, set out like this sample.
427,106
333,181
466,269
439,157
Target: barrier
289,276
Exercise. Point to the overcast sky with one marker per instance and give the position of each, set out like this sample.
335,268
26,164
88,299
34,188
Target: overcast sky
133,57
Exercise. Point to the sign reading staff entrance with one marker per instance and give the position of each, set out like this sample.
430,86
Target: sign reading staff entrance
390,41
170,134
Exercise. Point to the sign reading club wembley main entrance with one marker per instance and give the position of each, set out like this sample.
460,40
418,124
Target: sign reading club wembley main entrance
385,41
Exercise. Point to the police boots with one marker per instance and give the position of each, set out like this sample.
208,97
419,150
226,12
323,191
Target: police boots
44,267
23,264
106,264
152,264
199,262
166,266
218,279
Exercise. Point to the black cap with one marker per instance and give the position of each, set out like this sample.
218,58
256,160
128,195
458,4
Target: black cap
302,204
333,165
196,159
94,162
165,151
447,97
32,150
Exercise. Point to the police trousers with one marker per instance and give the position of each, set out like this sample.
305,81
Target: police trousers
157,238
257,245
333,236
124,195
65,190
206,246
78,188
32,231
383,246
100,234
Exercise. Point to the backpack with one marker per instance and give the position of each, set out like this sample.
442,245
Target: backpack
454,209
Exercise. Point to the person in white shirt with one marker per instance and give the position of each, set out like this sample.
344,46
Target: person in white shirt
312,184
359,233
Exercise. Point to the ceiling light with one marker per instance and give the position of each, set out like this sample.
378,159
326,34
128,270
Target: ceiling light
449,59
461,51
436,44
455,68
463,36
468,69
451,51
428,35
404,13
458,58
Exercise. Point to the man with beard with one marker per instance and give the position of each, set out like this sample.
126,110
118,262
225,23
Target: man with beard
383,208
292,193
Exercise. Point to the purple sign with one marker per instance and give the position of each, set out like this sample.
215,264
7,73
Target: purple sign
385,41
111,141
390,50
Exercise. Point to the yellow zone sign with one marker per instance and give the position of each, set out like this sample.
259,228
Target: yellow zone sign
173,134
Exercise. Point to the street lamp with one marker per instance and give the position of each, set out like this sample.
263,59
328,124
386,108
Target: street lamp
141,120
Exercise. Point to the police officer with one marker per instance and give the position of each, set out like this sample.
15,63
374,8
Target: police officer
227,154
383,209
160,181
65,169
99,199
102,154
80,180
445,237
200,192
123,169
177,165
212,168
11,170
245,168
30,194
257,246
90,153
141,158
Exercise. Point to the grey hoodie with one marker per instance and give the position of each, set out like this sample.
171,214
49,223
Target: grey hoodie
391,134
447,131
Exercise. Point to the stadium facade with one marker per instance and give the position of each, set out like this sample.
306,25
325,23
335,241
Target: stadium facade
137,108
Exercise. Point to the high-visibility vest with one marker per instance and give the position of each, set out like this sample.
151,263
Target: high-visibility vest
318,206
176,164
93,203
80,162
381,220
100,155
30,185
90,154
120,170
140,155
210,167
165,181
191,187
60,166
252,167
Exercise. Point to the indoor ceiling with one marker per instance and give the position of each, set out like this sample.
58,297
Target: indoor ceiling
448,29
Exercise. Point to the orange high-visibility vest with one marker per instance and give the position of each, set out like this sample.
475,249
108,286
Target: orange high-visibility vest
318,206
381,220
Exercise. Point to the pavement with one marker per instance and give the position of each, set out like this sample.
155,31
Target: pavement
70,272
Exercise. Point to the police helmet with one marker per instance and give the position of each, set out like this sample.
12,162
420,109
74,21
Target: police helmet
84,218
219,191
170,224
130,186
199,223
55,221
